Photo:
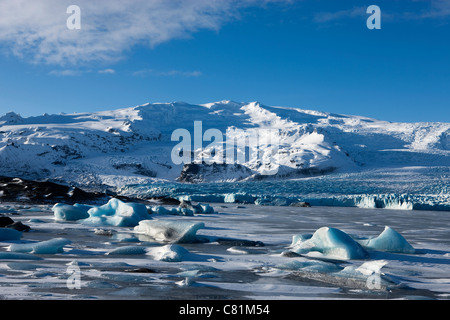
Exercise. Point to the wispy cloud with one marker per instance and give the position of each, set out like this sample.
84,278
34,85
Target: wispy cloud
171,73
37,30
66,73
106,71
415,10
322,17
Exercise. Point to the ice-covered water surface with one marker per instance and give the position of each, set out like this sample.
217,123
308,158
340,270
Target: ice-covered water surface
409,188
238,252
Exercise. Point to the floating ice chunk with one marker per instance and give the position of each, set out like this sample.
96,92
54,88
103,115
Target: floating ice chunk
310,266
239,198
7,234
331,242
170,230
186,282
168,253
128,250
299,238
206,208
160,210
22,266
185,209
117,213
389,240
371,267
67,212
368,275
44,247
18,256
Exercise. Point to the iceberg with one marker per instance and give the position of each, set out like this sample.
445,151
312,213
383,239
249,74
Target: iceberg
128,250
18,256
310,266
7,234
239,198
172,211
331,242
117,213
389,240
51,246
66,212
170,230
168,253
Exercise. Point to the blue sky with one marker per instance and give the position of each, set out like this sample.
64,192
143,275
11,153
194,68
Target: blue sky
311,54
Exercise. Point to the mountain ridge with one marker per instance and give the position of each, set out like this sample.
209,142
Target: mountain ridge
109,149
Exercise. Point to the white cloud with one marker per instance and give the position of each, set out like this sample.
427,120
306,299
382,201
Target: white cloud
170,73
323,17
66,73
107,71
37,30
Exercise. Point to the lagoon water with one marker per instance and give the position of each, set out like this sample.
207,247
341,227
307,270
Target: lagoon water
228,269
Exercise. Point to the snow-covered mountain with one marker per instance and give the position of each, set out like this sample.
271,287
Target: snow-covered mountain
134,145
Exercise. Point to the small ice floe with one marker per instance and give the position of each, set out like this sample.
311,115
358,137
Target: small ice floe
186,282
168,253
244,250
128,250
173,231
51,246
18,256
185,208
103,232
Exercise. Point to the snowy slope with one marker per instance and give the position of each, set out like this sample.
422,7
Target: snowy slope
133,145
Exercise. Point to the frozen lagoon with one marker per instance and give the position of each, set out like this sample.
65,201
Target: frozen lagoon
109,262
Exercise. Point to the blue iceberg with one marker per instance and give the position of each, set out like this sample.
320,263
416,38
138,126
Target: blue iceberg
51,246
389,241
117,213
330,242
170,230
67,212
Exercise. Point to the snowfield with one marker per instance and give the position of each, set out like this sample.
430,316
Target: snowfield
111,149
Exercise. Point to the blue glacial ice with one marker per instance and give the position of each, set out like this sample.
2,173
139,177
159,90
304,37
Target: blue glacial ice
185,209
51,246
330,242
128,250
389,240
67,212
173,231
337,244
172,211
168,253
416,188
18,256
117,213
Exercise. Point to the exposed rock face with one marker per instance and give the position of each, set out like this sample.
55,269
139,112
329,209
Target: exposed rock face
15,189
202,172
